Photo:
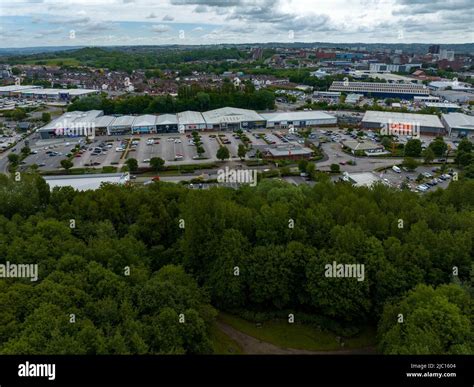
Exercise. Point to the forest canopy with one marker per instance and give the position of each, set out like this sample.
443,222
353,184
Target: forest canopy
188,272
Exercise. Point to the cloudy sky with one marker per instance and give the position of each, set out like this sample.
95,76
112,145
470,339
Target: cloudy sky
28,23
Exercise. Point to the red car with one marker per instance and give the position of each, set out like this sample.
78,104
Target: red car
156,178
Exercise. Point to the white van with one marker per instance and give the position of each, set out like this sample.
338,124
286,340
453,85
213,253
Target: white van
396,169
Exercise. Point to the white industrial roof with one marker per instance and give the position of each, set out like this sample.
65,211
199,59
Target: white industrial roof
167,119
10,88
298,116
445,105
454,85
145,120
230,114
363,179
103,121
289,151
123,121
459,121
70,119
39,91
406,88
86,182
430,120
189,117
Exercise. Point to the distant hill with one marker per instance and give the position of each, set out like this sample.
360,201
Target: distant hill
35,50
466,48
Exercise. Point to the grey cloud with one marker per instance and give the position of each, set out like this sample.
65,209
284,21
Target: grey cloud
159,29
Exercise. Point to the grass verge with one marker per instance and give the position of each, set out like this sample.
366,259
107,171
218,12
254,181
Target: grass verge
223,344
298,336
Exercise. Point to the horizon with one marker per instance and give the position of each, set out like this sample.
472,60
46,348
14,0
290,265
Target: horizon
51,23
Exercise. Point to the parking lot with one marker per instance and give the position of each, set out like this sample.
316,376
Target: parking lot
48,156
433,178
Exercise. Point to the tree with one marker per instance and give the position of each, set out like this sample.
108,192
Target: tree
67,164
465,146
439,147
410,163
157,163
342,298
463,158
46,117
241,151
413,148
13,159
132,164
18,114
335,168
428,155
200,150
302,165
223,153
435,322
311,170
387,142
25,151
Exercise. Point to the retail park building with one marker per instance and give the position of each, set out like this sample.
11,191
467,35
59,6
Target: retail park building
227,118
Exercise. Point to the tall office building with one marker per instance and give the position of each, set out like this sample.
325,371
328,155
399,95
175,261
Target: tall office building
434,49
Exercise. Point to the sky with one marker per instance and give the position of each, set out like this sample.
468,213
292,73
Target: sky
33,23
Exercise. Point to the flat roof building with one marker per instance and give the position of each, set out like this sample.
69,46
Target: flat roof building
87,182
381,90
444,106
369,148
413,124
458,124
121,125
455,95
167,123
288,152
190,120
101,123
230,118
71,124
38,92
144,124
11,89
453,85
299,119
363,179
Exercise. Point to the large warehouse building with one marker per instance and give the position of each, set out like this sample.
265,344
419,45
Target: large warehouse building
144,124
37,92
189,121
458,124
381,90
408,123
227,118
299,119
167,123
71,124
